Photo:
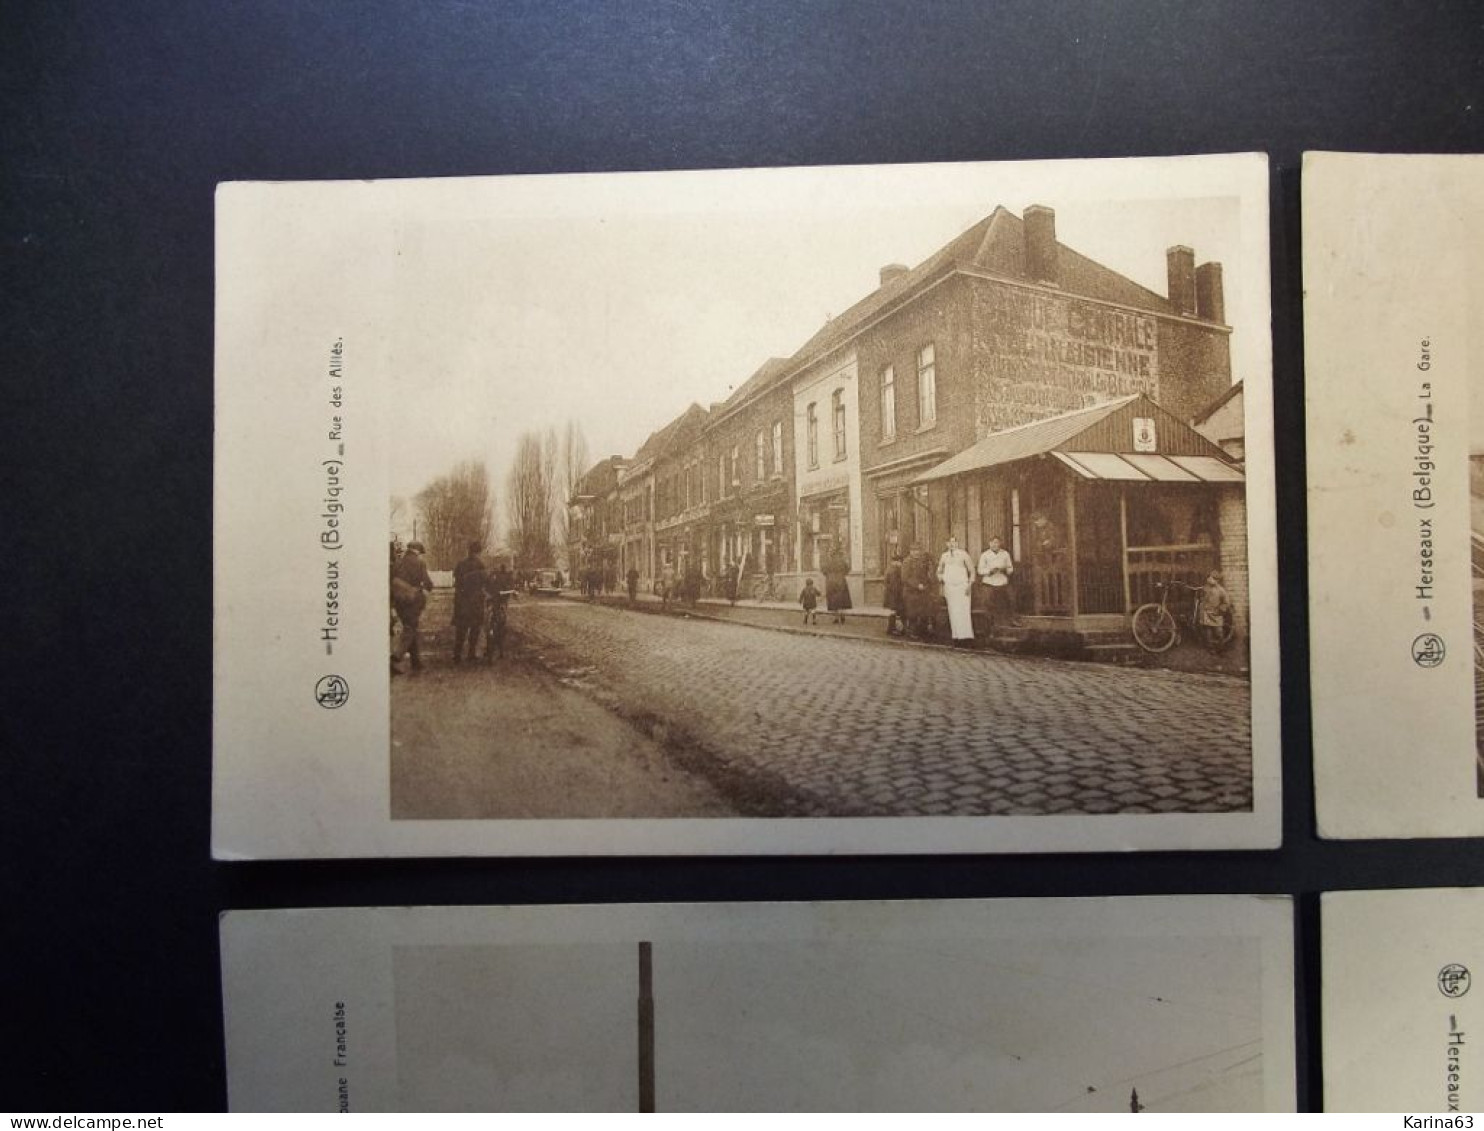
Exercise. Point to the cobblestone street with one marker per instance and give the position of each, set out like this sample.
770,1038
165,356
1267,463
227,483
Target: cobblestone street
860,728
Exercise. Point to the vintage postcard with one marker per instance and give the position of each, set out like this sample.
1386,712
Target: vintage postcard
1394,359
897,509
1401,1027
1180,1003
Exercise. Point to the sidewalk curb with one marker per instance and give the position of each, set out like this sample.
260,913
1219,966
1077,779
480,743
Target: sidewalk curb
680,611
654,608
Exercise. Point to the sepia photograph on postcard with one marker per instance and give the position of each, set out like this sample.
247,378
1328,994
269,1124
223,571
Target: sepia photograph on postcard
899,509
1155,1004
1400,1025
1394,329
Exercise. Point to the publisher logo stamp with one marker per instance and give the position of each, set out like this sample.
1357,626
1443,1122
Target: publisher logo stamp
1453,980
1428,650
331,692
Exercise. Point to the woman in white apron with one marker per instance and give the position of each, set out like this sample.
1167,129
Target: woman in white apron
956,572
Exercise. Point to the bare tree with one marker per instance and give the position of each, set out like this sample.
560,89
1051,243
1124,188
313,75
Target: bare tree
574,459
528,499
455,509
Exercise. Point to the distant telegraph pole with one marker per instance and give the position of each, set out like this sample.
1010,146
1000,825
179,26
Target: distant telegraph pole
646,1027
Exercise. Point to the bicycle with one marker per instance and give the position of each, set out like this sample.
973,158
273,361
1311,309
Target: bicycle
766,588
1156,627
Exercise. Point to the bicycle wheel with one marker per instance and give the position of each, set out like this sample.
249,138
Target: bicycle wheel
1154,628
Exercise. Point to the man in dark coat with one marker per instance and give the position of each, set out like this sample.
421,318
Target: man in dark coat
896,597
410,588
469,578
920,589
633,579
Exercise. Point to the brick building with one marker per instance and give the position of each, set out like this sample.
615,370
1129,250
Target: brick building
749,447
851,443
1002,327
661,498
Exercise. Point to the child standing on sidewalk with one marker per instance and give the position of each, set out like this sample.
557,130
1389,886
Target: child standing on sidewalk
809,598
1216,612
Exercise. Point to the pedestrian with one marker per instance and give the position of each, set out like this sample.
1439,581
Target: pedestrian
917,592
632,577
500,587
396,556
836,586
469,578
995,567
1216,612
809,599
410,588
667,584
896,597
956,572
730,583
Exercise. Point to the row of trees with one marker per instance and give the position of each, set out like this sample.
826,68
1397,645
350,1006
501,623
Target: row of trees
459,507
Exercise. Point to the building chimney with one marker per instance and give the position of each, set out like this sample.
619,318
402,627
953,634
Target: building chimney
892,272
1181,263
1042,253
1210,298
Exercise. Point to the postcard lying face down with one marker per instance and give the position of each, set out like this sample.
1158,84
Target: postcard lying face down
910,509
1393,315
1401,1028
1165,1004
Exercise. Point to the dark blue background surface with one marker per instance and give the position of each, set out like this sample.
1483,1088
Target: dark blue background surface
119,120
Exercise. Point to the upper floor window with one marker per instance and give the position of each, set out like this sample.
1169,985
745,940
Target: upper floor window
927,386
721,476
777,447
888,404
736,468
761,463
811,435
837,417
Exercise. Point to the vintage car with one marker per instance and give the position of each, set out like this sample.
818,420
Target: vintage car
546,582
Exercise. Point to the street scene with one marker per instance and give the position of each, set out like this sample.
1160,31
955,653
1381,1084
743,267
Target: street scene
969,540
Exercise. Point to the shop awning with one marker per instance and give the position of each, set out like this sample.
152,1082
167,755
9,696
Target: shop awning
1093,442
1143,468
1023,442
